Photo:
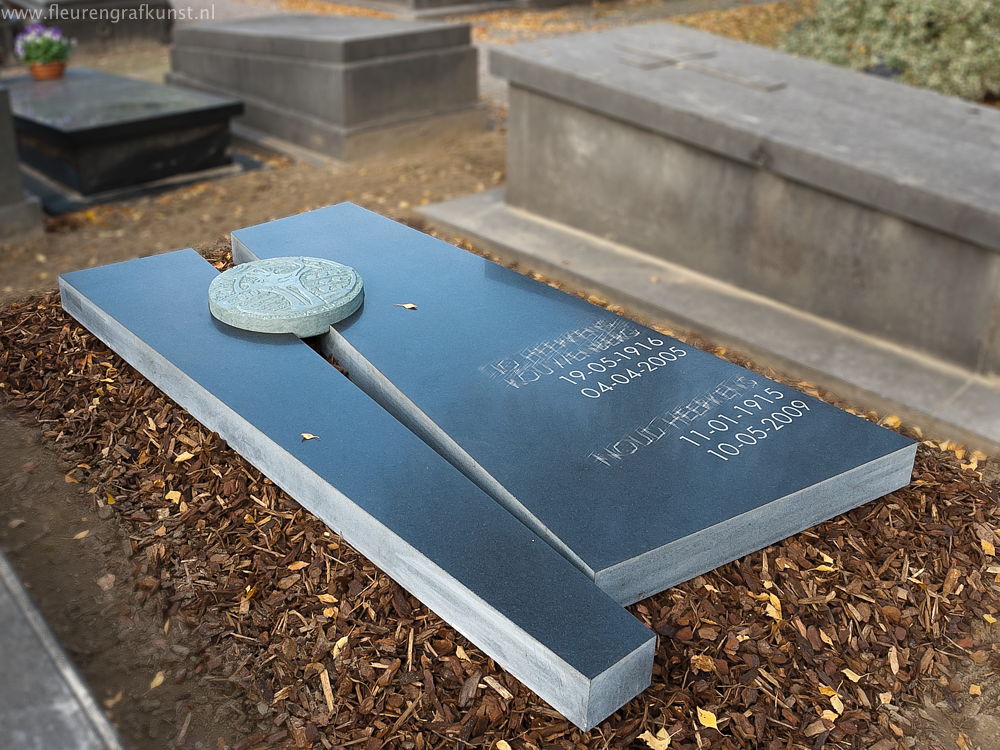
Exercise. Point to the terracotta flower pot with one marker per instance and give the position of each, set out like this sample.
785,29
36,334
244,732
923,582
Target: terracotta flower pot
47,71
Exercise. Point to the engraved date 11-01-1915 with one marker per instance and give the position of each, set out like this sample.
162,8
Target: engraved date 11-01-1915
754,420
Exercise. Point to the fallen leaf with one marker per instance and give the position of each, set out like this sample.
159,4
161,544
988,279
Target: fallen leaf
851,675
990,619
830,715
975,689
330,599
988,547
707,719
70,479
893,660
173,496
406,305
114,700
339,646
885,698
460,653
827,691
892,421
659,741
298,565
82,534
309,436
182,457
109,498
502,745
157,680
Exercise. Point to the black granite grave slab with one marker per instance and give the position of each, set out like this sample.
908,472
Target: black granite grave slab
94,131
371,480
641,459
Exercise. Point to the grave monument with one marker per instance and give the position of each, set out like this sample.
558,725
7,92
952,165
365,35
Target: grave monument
342,86
91,132
593,461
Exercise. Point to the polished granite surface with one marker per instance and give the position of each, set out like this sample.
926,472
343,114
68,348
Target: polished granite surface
616,438
283,388
89,101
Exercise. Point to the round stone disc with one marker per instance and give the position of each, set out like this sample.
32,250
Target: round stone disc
299,295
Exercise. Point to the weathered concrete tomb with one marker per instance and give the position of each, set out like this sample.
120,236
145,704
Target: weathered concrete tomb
19,215
341,86
763,193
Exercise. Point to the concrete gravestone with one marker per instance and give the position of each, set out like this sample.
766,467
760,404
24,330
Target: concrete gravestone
304,296
611,461
342,86
93,132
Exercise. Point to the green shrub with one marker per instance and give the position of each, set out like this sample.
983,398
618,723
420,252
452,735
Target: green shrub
951,46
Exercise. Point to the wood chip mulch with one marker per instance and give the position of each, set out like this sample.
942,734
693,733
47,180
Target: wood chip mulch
831,638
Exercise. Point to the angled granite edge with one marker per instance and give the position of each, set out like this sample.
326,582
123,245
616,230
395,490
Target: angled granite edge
368,377
561,636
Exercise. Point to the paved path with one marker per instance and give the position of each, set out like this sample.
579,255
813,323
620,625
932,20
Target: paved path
43,703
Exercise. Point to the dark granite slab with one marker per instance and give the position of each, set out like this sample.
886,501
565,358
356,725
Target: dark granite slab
44,704
94,131
643,460
371,480
85,106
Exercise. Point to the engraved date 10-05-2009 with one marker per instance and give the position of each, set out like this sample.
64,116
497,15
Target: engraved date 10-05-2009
747,424
621,367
